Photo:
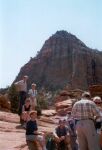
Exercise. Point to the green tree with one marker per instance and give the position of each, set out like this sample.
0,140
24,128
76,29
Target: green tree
13,96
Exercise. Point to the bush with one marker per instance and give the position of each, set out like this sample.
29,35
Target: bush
42,102
13,96
38,109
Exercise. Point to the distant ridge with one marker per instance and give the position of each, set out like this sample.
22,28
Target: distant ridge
64,60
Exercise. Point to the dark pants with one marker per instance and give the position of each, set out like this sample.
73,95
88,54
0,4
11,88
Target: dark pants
22,97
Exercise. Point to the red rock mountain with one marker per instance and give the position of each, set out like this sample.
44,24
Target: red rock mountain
64,60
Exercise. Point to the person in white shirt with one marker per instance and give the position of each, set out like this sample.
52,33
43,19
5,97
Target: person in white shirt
22,89
33,93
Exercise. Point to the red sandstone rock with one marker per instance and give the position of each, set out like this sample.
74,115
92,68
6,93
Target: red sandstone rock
4,103
13,135
96,90
64,59
63,104
49,112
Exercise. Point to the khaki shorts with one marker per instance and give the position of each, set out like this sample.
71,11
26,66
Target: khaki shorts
34,138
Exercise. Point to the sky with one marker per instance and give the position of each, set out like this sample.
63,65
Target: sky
26,24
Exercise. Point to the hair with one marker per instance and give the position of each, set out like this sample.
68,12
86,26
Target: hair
25,76
86,95
32,112
61,121
33,84
97,98
27,100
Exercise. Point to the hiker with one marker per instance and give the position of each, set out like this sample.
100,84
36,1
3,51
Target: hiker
32,133
97,100
84,112
98,123
25,111
61,135
33,93
22,87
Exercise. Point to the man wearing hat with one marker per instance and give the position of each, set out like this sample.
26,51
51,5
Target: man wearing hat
84,111
22,88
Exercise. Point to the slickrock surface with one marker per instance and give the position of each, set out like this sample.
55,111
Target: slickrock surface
12,135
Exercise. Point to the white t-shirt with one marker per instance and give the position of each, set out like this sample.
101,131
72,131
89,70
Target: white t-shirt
32,93
21,85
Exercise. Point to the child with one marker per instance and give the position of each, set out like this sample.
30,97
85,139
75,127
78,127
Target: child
32,133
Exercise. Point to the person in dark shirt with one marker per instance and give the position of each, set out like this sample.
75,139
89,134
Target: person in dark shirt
25,112
61,134
32,133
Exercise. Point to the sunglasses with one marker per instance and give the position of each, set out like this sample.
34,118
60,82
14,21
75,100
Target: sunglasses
98,102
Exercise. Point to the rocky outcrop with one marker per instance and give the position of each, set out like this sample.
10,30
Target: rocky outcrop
4,103
96,90
64,107
12,135
64,60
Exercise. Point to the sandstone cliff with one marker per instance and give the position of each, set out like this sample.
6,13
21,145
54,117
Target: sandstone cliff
64,60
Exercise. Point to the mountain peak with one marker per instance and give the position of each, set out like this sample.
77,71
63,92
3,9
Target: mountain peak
64,60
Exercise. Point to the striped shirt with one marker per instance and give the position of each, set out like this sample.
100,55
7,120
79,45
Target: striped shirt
22,86
85,109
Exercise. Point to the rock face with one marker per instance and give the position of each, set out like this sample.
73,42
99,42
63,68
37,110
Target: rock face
12,135
4,103
64,60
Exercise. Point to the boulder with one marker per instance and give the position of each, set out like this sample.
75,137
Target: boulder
4,103
49,112
96,90
64,107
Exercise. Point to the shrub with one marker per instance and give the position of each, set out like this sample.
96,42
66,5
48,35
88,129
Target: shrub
13,96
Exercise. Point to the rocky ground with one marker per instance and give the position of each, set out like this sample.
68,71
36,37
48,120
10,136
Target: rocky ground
12,135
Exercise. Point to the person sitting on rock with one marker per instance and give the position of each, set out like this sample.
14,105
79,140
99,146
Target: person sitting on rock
61,135
32,133
33,93
25,111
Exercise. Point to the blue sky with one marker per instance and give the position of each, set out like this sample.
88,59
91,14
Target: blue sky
26,24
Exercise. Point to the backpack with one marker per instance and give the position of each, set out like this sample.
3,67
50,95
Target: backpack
51,145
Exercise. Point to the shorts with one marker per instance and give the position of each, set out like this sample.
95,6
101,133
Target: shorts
34,137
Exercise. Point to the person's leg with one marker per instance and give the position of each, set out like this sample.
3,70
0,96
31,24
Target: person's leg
68,142
22,97
92,137
41,140
31,142
82,142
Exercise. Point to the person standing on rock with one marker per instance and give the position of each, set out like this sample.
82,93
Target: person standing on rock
84,111
33,93
22,88
32,133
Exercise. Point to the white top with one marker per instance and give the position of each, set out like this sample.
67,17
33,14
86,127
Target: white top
32,93
21,85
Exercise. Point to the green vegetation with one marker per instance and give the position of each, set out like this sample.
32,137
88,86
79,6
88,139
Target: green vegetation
13,96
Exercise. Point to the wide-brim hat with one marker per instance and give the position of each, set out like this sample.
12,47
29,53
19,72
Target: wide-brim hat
97,99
